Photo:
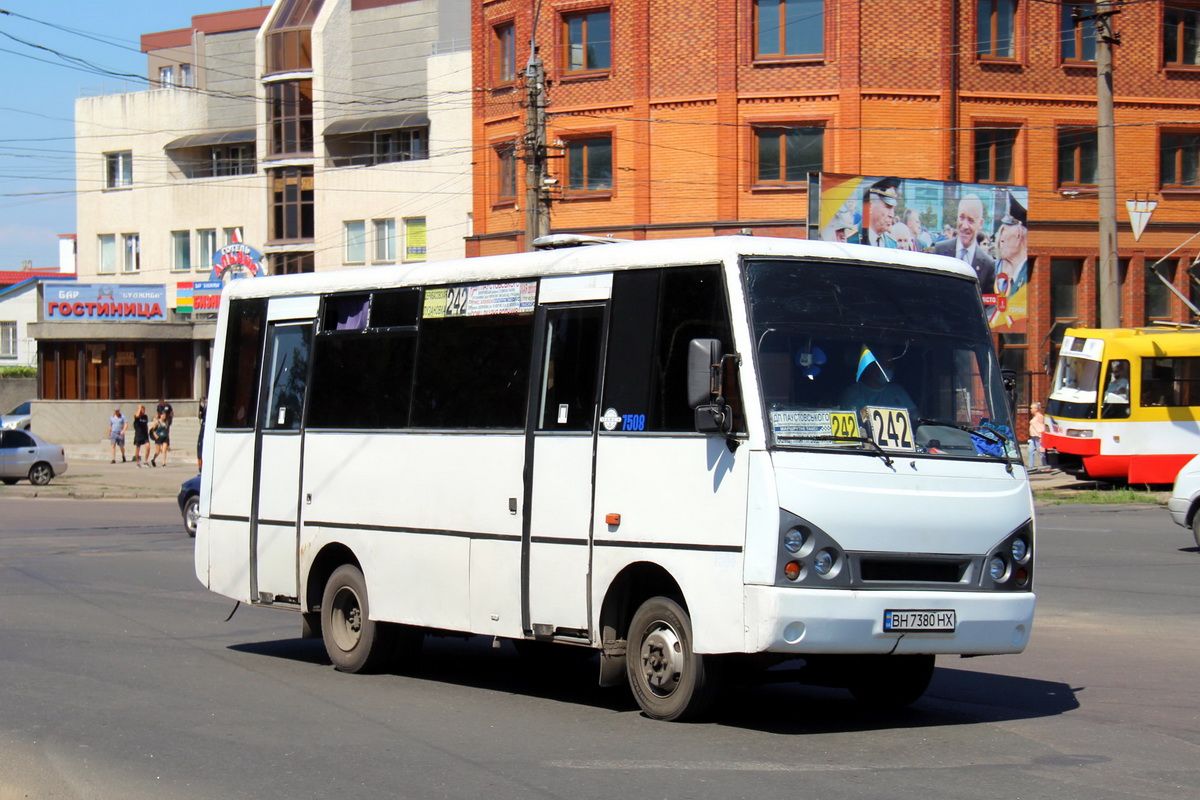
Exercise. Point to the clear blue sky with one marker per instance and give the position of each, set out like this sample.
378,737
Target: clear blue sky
37,101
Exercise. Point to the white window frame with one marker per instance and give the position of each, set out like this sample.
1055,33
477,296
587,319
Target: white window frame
8,339
384,249
131,253
181,257
106,266
206,244
355,251
118,169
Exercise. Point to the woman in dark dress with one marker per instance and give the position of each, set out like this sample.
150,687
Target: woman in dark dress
141,436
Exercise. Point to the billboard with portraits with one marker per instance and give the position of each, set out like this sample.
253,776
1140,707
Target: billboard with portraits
983,225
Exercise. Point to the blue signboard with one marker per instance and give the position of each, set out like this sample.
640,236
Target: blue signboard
104,302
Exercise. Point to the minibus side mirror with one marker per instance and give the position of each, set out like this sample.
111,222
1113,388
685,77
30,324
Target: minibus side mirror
706,376
704,360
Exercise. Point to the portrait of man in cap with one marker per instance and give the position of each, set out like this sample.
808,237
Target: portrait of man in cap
965,245
1012,268
880,213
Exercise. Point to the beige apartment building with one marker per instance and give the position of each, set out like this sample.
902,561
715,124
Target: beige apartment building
311,134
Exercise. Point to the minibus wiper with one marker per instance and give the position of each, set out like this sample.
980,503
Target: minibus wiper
879,451
945,423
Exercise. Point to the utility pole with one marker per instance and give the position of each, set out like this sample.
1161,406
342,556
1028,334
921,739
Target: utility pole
1110,294
537,206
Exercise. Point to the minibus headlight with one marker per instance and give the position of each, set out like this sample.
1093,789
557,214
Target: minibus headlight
1020,550
997,568
823,562
793,540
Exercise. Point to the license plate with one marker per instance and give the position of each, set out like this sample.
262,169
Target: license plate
939,620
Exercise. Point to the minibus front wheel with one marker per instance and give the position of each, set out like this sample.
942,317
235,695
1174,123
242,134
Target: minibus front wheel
353,641
668,679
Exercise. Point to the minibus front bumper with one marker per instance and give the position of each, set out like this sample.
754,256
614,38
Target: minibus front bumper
844,621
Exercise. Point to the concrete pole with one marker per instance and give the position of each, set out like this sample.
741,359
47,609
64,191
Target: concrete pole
537,212
1109,294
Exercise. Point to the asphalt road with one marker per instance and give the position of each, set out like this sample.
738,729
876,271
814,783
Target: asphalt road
122,678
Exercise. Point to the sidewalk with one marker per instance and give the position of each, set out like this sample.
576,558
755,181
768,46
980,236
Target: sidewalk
90,476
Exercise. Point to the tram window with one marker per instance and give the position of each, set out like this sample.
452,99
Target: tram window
238,404
1170,382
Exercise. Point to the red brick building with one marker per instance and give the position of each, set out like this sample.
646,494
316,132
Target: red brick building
683,119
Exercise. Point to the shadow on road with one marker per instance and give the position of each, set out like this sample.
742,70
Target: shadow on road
955,696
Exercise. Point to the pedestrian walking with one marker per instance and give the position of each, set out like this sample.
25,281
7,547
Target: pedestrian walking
117,425
161,433
1037,427
165,410
141,437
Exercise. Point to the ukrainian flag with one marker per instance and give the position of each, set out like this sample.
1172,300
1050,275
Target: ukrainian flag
865,359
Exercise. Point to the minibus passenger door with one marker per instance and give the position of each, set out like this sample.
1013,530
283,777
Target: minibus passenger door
275,505
556,552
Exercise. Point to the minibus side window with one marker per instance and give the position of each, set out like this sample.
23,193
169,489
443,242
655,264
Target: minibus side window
655,314
238,404
473,372
362,380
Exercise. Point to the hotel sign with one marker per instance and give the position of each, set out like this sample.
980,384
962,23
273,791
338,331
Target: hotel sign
104,302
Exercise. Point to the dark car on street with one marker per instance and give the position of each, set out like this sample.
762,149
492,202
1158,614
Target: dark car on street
189,504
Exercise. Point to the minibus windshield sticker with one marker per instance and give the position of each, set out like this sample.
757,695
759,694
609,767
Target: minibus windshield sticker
821,423
611,419
478,301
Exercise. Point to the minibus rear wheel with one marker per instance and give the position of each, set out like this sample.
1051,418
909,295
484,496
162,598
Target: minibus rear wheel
353,641
1196,528
668,679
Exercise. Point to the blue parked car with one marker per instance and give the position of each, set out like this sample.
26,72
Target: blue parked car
189,504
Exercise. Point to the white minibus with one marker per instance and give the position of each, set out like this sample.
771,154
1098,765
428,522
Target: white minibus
688,455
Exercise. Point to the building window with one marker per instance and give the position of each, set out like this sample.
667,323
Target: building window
785,28
292,203
289,40
1077,157
414,239
1181,35
290,117
232,235
506,53
118,169
506,172
291,263
106,253
131,247
996,27
356,241
166,76
1158,296
1064,285
1179,156
181,250
787,155
589,45
1078,35
407,144
206,246
385,240
589,165
185,75
8,339
994,154
233,159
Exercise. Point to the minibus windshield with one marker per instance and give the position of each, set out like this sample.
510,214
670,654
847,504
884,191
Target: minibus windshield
863,357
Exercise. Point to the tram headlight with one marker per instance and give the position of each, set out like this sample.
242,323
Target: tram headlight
997,568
